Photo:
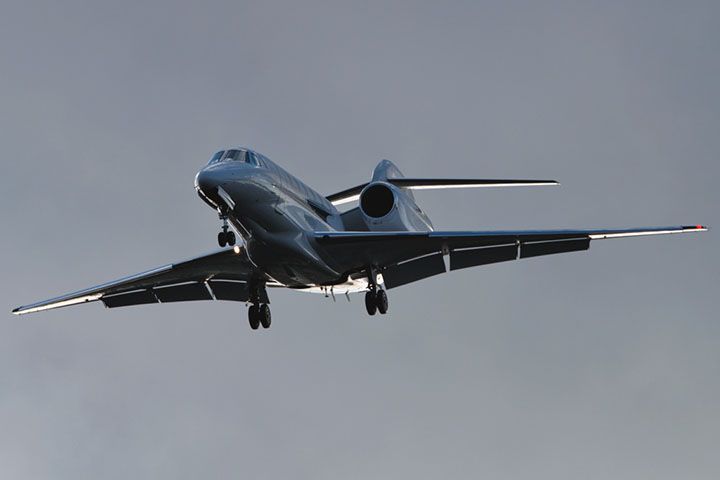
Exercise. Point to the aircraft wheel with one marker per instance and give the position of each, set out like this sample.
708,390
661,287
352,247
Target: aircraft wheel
222,239
264,314
370,303
254,317
230,237
381,300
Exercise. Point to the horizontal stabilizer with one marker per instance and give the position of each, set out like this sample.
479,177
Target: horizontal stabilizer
437,183
352,194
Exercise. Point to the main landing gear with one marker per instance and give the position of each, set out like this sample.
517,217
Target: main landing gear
226,236
258,313
376,300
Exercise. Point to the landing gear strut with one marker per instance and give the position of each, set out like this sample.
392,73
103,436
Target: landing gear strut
258,313
376,299
226,236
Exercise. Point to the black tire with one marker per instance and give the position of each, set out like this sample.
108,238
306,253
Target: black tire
222,240
381,301
230,238
254,317
370,304
264,315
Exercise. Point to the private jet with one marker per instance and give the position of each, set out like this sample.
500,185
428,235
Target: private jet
278,232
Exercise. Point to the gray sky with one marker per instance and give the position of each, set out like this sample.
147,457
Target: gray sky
604,364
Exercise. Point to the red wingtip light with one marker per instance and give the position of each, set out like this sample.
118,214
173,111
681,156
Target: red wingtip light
699,227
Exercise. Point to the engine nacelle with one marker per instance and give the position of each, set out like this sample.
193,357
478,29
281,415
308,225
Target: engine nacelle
385,207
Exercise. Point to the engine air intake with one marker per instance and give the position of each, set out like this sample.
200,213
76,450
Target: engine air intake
377,200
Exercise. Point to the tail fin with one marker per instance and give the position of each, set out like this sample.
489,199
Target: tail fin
385,171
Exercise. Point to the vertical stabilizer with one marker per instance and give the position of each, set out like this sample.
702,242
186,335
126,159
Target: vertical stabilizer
386,170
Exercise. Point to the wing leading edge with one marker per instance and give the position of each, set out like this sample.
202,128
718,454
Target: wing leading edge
221,275
406,257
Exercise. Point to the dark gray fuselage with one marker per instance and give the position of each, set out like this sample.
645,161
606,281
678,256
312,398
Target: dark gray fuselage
276,215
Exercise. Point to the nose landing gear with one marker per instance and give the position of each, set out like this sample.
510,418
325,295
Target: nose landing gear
226,236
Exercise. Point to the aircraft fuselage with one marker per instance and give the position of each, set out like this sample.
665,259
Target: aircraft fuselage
275,213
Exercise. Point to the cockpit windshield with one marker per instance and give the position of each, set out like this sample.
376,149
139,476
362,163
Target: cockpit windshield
234,155
217,156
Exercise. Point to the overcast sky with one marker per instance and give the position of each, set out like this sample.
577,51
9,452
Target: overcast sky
594,365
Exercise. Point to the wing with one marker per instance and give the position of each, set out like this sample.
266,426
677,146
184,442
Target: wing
221,275
405,257
353,193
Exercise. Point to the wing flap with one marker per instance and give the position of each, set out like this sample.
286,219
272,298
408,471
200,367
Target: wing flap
229,290
234,290
413,270
473,257
182,292
139,297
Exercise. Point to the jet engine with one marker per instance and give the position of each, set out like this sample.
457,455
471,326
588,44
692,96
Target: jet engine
378,204
382,206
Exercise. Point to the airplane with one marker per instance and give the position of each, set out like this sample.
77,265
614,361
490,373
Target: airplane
291,236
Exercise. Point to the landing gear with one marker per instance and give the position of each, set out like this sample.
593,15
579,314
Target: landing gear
370,304
226,236
253,317
376,299
259,312
264,314
259,315
381,301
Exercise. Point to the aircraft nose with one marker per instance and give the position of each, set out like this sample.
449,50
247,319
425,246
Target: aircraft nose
206,181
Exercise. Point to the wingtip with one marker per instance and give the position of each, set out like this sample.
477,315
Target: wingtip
16,311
